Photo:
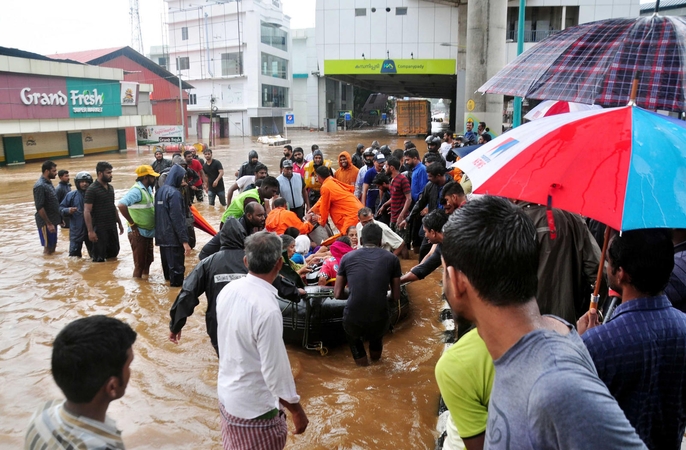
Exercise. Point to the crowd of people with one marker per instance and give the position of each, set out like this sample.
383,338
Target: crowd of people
532,366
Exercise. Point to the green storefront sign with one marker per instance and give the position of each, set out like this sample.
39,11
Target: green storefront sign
93,98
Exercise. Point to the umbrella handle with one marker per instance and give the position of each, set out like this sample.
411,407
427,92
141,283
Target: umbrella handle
595,296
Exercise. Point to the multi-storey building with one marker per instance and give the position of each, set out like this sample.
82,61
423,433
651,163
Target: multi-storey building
237,55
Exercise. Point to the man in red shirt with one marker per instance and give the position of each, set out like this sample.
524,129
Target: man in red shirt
196,166
401,198
299,161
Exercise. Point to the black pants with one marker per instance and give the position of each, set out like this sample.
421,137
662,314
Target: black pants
107,246
299,211
357,333
173,259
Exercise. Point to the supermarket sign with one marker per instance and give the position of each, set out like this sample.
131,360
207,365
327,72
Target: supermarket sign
390,66
43,97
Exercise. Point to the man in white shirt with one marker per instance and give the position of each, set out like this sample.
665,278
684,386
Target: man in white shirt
389,240
254,371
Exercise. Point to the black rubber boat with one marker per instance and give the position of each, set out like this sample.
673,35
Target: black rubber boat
316,322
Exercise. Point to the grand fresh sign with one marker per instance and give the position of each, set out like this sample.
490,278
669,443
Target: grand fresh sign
41,97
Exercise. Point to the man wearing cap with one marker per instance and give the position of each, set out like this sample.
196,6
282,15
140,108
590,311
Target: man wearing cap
160,163
138,208
292,188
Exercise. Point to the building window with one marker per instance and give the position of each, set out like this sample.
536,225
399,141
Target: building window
273,66
274,96
183,63
162,62
360,12
273,35
400,11
192,99
231,63
184,33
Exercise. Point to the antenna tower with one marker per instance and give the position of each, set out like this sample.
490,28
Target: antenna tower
136,36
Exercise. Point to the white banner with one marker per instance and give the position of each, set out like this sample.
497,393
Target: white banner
159,134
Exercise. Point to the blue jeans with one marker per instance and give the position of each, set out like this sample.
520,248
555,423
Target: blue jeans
211,195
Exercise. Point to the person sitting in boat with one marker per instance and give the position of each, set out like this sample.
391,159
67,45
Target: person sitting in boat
368,272
337,199
389,241
290,269
327,274
351,232
252,221
281,218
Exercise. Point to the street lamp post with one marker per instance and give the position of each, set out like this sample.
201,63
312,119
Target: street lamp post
517,112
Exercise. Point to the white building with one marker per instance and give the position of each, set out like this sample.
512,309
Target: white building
428,50
237,55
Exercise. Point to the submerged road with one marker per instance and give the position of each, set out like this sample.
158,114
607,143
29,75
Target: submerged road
171,401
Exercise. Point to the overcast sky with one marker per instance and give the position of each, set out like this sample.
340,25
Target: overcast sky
60,26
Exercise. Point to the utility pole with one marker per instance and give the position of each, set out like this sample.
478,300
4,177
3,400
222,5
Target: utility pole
183,121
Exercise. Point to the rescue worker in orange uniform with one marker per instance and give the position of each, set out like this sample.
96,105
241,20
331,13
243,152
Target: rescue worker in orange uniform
280,219
337,199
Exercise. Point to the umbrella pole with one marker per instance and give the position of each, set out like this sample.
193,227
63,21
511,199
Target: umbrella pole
596,291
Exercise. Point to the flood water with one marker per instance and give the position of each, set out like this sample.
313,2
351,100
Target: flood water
171,400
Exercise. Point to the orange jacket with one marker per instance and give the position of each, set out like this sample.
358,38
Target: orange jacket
279,219
349,174
338,200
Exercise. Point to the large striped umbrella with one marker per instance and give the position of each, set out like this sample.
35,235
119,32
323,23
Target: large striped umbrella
595,63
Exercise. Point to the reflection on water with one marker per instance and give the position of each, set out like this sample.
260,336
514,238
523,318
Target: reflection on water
171,401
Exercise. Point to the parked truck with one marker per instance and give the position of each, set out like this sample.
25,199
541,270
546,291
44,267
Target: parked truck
413,117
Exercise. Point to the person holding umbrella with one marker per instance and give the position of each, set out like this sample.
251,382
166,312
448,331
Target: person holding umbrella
546,392
640,352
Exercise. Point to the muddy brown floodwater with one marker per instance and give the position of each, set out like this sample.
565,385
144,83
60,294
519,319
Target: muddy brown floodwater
171,401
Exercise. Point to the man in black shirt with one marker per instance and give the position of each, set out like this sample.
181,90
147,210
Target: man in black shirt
368,271
215,179
47,207
101,215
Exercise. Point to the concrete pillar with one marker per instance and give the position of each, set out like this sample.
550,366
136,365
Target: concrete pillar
487,22
457,121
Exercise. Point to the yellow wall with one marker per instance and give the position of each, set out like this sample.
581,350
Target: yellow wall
47,145
98,141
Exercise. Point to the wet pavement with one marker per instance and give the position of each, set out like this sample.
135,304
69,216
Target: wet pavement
171,400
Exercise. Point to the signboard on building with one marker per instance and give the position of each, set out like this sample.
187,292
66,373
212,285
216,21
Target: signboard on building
159,134
43,97
390,66
129,93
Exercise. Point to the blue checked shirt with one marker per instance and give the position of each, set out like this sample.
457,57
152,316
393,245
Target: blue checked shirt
640,354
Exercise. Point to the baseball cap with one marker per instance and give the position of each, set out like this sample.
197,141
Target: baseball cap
287,163
142,171
380,157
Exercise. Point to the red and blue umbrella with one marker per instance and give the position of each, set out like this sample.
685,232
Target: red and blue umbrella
552,107
625,167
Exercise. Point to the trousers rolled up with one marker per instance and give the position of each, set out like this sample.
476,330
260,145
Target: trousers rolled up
143,255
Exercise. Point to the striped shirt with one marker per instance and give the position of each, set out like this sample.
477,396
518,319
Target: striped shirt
53,427
400,187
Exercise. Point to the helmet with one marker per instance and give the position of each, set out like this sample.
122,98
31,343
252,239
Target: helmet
368,152
432,140
386,150
83,176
